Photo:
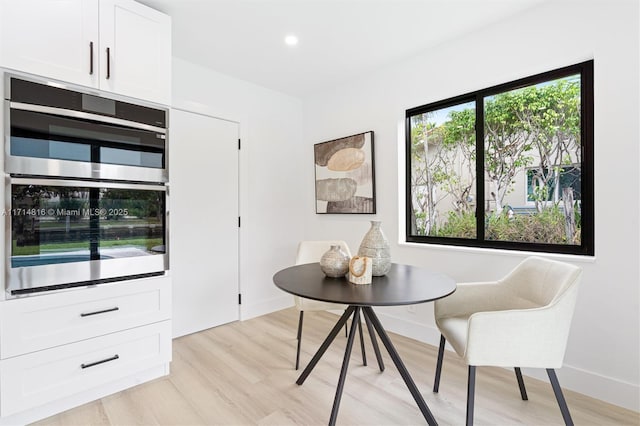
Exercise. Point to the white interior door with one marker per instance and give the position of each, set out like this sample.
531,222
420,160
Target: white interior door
203,204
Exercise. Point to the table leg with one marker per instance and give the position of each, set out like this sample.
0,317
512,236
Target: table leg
325,345
374,342
368,312
345,365
364,353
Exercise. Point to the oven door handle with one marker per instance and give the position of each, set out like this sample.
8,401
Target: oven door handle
85,184
85,116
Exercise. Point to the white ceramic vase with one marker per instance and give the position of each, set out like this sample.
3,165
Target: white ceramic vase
335,262
376,246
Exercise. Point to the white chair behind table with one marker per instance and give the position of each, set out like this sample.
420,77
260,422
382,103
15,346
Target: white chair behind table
311,252
522,320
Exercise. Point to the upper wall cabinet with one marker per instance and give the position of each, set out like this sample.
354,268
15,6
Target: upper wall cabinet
118,46
52,38
135,44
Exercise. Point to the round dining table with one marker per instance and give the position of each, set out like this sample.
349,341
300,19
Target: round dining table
402,285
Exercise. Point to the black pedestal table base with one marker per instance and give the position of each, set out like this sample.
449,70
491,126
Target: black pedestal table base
372,323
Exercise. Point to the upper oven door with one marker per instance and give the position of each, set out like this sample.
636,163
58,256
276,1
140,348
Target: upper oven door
49,141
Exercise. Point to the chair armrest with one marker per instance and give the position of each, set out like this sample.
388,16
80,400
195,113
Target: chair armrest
469,298
534,337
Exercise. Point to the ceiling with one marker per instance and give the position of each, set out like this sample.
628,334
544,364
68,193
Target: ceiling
339,40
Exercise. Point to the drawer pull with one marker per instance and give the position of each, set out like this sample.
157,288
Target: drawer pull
104,311
108,63
92,364
90,58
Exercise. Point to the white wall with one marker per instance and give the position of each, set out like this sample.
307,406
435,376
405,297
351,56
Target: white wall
603,351
271,132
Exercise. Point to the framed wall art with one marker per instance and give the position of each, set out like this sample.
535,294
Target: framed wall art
345,178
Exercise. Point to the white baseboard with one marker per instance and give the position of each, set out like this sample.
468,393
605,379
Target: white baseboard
611,390
248,311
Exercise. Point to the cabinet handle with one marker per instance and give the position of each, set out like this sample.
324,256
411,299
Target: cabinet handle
90,58
104,311
108,63
102,361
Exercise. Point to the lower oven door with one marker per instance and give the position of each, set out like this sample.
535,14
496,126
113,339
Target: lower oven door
68,233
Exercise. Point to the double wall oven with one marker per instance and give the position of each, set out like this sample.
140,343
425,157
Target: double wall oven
86,198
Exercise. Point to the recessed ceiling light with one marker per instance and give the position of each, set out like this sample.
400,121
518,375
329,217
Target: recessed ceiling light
291,40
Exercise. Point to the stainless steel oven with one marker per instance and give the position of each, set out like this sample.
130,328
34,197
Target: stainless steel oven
56,130
65,233
86,198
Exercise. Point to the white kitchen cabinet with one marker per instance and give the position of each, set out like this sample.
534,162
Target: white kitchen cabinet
36,323
52,38
119,46
57,346
138,41
35,379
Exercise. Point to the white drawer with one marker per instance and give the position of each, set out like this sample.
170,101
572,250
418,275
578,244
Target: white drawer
37,378
40,322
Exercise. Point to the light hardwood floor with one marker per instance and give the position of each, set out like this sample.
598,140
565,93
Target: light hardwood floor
242,374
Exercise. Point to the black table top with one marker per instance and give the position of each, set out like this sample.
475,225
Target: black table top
403,285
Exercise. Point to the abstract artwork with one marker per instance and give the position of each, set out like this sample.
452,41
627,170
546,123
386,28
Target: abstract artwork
345,175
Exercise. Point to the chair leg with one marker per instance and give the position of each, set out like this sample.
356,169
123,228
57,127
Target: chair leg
566,415
471,386
364,354
299,338
436,382
523,390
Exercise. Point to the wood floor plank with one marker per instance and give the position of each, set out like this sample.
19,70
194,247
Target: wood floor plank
243,374
155,403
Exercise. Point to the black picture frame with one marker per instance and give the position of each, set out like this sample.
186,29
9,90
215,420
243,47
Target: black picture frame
345,175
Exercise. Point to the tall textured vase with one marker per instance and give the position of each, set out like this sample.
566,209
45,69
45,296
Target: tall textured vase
376,246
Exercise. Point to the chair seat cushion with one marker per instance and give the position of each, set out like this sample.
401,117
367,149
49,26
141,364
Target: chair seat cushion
455,329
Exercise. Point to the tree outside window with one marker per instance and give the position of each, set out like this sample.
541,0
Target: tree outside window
443,173
532,143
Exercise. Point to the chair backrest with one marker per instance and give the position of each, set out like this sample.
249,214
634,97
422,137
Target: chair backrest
542,281
312,251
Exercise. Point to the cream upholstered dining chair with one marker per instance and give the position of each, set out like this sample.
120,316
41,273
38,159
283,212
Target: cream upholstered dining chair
310,252
521,320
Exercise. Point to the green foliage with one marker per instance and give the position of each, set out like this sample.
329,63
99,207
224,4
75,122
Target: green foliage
547,227
421,223
458,226
460,129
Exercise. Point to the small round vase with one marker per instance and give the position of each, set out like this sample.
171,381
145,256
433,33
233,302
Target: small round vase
335,262
376,246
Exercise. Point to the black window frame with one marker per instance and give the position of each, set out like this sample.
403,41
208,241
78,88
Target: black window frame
587,241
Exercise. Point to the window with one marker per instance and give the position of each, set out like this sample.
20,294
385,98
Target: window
507,167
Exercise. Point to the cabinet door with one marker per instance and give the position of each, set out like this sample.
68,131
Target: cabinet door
135,48
204,221
52,38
